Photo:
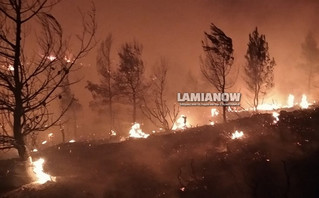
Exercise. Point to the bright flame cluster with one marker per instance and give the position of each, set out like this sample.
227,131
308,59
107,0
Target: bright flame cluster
214,112
276,116
180,123
304,103
237,135
136,131
41,176
290,101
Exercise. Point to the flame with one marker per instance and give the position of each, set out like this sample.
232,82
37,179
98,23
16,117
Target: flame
268,107
51,58
276,116
136,131
113,133
304,103
237,135
11,68
180,123
41,176
290,101
214,112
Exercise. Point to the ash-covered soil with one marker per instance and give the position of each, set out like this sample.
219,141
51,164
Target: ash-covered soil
271,160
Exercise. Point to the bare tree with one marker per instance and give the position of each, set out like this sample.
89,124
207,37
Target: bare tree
129,77
259,68
104,92
218,60
159,112
30,82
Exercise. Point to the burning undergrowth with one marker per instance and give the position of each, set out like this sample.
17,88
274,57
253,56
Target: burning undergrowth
199,162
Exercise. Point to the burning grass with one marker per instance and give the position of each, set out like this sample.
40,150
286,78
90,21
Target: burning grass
200,162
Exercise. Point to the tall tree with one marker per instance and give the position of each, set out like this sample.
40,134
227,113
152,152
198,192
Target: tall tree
159,112
218,60
259,68
104,92
30,82
129,77
310,52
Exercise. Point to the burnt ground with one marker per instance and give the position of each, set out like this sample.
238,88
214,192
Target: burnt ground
272,160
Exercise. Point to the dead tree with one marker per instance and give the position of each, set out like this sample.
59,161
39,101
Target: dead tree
259,69
30,81
129,77
218,61
159,112
104,92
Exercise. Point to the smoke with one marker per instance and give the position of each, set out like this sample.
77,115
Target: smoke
174,30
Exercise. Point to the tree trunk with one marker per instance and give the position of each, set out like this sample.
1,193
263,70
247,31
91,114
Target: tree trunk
224,113
111,114
18,111
134,107
75,124
224,107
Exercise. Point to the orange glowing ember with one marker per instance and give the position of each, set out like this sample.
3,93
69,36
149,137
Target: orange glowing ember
113,133
51,58
136,131
237,135
41,177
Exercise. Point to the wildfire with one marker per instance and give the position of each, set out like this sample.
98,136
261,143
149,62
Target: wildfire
113,133
237,135
268,107
136,131
180,123
51,58
41,176
304,103
276,116
214,112
290,101
11,68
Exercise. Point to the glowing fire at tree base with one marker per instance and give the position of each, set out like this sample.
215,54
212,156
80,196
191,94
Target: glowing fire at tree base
40,176
136,131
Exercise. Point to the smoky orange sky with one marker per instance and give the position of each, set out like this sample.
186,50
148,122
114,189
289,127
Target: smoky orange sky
174,29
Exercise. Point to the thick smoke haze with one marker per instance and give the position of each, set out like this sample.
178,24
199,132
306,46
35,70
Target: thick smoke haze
174,30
